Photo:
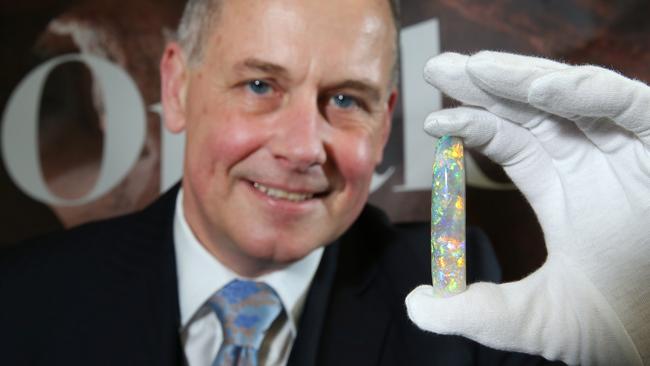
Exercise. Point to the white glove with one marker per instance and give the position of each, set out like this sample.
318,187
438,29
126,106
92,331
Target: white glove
576,142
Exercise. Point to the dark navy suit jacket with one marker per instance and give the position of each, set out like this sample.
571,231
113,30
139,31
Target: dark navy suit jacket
106,294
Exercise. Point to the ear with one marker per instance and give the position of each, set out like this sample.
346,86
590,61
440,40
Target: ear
174,77
386,124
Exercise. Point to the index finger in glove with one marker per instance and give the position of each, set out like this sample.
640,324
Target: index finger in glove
447,73
568,91
590,91
508,75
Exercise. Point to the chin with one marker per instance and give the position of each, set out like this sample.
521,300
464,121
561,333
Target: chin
280,250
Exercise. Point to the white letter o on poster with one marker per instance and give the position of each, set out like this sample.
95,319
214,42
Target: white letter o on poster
123,136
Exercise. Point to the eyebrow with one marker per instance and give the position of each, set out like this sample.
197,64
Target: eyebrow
362,87
263,66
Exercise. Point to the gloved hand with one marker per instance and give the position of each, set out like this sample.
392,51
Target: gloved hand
576,142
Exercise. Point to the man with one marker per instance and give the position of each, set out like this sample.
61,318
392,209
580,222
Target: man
284,124
287,106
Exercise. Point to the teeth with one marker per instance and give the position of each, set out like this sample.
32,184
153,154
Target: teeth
283,195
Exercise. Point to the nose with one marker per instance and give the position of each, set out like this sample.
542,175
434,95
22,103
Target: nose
299,136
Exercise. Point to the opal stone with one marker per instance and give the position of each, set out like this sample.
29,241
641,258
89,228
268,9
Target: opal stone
448,218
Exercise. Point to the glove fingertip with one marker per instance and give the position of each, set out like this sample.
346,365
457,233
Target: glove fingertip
440,68
419,307
431,126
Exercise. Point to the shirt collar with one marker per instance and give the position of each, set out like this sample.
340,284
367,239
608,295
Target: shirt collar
200,274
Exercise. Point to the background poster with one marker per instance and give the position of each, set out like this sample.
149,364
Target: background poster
96,160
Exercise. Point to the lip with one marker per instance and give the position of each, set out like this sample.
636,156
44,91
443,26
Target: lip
287,206
284,193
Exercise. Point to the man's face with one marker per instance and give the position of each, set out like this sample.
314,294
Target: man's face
286,117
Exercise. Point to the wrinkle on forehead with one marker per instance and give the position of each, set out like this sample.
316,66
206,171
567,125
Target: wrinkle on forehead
312,37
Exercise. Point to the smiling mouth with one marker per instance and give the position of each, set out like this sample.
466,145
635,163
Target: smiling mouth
282,194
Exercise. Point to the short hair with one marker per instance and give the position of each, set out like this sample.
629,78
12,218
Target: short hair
199,15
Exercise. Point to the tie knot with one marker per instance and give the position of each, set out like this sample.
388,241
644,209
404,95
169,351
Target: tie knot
246,309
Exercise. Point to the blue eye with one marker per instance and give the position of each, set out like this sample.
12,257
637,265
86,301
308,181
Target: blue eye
344,101
259,87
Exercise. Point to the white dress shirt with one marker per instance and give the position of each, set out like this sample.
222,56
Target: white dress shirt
200,275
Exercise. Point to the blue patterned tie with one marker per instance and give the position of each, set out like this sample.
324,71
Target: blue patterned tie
246,310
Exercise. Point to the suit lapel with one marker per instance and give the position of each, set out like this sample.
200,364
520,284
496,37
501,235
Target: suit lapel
348,310
305,348
359,312
157,240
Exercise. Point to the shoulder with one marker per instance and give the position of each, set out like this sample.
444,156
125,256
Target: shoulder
383,262
57,290
375,249
402,251
378,265
86,263
86,245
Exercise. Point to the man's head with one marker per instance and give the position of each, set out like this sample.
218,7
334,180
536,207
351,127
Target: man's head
286,105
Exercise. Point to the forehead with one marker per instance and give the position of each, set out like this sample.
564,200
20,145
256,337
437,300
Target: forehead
336,34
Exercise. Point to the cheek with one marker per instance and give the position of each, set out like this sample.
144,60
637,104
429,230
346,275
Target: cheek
219,139
232,140
355,156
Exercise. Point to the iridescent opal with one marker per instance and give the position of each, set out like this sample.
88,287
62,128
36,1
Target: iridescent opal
448,218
